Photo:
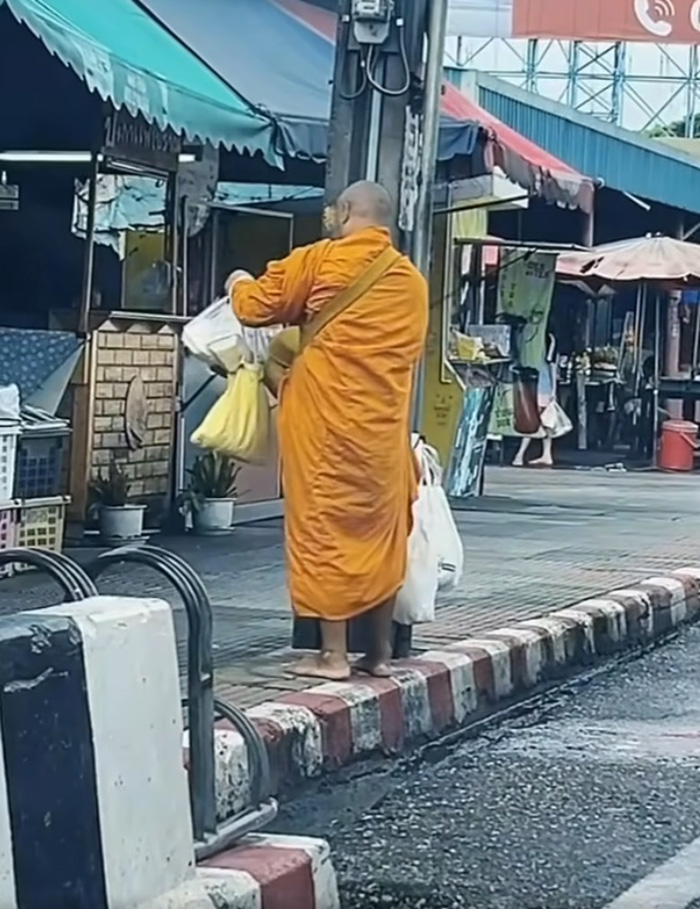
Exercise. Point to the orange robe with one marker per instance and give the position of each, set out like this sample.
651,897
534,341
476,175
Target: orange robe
348,473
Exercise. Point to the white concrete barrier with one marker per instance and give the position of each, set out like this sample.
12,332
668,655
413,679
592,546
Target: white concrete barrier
94,803
94,808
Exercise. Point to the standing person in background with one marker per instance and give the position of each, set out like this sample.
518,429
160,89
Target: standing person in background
546,397
348,472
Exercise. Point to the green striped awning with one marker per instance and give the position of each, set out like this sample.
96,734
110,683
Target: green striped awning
130,59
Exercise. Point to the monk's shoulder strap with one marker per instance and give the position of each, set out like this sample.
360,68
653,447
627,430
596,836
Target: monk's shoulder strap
288,344
364,282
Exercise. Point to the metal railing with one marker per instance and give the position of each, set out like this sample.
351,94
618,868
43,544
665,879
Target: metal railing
73,580
203,708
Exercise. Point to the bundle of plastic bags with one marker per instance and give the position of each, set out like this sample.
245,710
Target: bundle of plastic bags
435,550
239,425
218,338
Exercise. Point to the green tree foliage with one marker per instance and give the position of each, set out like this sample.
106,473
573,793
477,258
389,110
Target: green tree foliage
678,128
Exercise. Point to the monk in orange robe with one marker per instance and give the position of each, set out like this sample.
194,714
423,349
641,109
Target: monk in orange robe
348,473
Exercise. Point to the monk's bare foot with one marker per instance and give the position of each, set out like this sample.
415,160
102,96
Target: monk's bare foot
542,462
380,669
330,666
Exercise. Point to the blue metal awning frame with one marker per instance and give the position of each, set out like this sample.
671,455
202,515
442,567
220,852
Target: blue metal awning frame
620,159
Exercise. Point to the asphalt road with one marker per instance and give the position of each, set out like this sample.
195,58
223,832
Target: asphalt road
595,791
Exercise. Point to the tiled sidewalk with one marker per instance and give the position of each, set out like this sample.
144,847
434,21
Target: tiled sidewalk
538,541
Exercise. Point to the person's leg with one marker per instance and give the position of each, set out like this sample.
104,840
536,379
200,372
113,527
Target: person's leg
377,660
332,662
547,459
519,460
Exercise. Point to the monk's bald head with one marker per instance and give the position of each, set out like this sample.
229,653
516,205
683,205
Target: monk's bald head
362,205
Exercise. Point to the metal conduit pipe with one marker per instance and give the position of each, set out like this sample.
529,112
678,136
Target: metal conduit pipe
84,585
261,780
202,707
73,580
260,777
199,678
202,592
233,831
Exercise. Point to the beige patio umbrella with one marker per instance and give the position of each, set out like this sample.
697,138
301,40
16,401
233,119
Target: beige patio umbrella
663,261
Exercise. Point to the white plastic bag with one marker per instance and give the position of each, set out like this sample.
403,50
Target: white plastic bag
444,529
555,421
447,540
415,602
216,335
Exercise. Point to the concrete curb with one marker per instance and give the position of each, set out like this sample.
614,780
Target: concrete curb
272,872
321,729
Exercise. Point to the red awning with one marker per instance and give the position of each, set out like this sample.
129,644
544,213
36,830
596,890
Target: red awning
521,160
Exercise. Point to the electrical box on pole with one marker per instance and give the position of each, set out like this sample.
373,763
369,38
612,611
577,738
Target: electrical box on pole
378,101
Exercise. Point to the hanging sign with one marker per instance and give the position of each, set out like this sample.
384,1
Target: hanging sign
134,140
525,288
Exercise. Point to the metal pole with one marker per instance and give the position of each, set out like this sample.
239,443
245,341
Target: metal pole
172,218
618,87
423,235
89,261
214,288
531,65
375,131
657,367
185,257
696,343
639,339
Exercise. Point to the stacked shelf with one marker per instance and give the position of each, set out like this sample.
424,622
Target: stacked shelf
32,477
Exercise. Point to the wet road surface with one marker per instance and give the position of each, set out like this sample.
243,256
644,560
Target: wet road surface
594,791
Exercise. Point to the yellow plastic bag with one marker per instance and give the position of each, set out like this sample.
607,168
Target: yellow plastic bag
238,425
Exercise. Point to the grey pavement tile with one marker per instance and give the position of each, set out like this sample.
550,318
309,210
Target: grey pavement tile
538,541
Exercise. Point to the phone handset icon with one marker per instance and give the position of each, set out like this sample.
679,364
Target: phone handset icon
663,10
695,15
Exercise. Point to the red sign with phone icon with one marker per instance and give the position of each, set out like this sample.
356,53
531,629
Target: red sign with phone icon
657,21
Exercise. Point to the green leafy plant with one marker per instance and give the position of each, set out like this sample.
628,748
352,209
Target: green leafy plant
111,489
212,476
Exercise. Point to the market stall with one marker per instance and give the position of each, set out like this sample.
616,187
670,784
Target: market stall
496,349
658,267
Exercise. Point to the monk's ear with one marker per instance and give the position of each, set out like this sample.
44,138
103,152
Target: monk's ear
342,212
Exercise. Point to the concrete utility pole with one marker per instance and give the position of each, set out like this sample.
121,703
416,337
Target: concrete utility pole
385,110
385,115
385,118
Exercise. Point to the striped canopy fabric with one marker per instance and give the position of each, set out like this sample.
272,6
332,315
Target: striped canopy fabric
278,54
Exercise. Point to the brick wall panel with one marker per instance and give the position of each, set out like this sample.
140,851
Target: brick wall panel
121,357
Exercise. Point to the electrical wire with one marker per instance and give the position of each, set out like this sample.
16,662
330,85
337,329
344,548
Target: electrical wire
372,62
364,81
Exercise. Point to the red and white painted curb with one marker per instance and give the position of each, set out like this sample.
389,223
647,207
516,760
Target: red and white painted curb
273,872
323,728
263,872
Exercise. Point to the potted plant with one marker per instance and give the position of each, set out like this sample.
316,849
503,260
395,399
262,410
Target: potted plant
211,493
120,520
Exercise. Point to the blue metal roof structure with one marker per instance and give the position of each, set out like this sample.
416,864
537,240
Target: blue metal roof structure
278,54
625,161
